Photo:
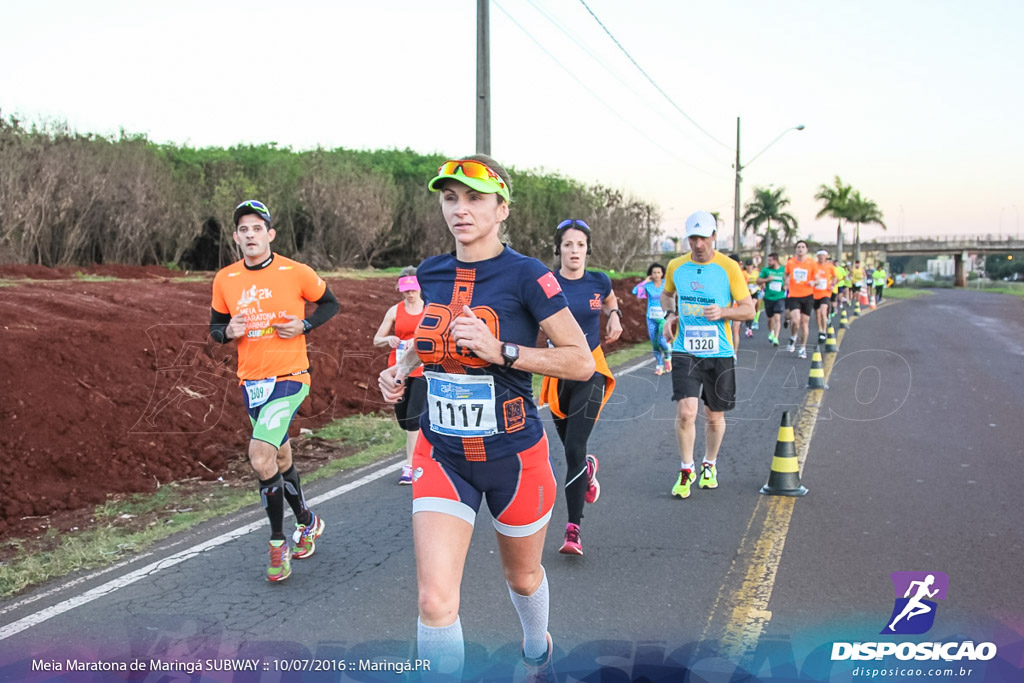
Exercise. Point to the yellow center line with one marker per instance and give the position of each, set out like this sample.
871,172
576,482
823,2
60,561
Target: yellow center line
744,607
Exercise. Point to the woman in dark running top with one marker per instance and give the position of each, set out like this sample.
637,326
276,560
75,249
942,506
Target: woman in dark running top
575,406
481,435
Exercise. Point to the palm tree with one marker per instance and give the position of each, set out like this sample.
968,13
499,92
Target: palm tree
767,206
862,210
837,200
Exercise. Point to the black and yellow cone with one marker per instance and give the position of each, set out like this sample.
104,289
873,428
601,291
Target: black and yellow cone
844,322
856,309
831,346
784,479
816,380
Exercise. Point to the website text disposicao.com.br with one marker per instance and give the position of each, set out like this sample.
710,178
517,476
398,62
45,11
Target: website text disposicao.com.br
951,652
906,671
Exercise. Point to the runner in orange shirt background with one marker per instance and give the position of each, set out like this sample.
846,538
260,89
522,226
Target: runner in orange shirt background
823,279
800,299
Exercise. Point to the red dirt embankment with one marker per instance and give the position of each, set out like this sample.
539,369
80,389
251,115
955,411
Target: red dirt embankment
115,386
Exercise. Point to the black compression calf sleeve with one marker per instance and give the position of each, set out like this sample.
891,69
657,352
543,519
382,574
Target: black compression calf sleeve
293,494
271,492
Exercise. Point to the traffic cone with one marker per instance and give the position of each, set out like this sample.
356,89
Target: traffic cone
844,322
816,380
856,308
784,479
871,302
830,341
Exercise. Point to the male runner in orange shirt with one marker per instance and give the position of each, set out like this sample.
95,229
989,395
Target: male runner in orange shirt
823,279
800,299
261,301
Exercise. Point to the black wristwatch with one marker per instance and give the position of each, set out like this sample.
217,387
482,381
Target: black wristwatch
510,352
615,310
306,326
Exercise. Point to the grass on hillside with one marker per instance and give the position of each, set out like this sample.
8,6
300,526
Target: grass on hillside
86,277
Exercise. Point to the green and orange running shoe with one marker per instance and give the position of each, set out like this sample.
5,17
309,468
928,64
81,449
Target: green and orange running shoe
280,561
682,487
305,537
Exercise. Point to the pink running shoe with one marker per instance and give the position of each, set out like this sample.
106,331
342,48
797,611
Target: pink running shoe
572,545
593,487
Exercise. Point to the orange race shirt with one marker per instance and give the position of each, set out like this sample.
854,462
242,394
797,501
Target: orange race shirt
265,296
798,277
822,275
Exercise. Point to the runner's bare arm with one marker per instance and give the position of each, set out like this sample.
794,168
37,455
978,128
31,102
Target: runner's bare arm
391,381
570,359
668,304
610,307
382,338
743,310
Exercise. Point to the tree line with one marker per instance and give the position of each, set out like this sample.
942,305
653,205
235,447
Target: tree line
69,199
765,216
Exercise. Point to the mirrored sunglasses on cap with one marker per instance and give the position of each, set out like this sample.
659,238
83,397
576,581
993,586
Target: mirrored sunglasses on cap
574,223
257,207
472,173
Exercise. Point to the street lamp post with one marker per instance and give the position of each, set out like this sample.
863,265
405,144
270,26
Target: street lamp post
740,167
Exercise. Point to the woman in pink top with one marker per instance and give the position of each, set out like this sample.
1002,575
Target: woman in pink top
404,317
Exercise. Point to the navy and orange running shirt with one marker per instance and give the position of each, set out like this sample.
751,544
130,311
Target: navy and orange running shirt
586,296
477,410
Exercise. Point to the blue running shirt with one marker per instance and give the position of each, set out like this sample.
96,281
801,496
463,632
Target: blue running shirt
653,294
477,410
586,296
696,285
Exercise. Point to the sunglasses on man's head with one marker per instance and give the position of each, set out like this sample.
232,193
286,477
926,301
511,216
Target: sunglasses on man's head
258,207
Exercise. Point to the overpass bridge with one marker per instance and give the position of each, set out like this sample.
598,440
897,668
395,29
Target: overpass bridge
959,246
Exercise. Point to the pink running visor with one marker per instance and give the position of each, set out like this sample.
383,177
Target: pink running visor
408,283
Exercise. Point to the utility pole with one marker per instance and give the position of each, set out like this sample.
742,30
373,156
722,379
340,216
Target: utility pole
736,199
483,77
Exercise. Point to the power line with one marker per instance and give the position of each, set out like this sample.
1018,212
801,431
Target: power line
598,97
656,86
597,59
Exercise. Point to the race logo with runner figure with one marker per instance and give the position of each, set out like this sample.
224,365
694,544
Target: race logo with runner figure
914,609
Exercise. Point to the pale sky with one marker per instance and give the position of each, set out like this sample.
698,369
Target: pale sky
917,104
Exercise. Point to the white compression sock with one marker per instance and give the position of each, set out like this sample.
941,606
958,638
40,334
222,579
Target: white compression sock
443,647
533,614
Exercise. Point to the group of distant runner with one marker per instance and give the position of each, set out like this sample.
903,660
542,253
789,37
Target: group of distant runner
463,347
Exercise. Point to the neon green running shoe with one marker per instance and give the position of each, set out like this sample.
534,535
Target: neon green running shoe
280,561
708,476
682,487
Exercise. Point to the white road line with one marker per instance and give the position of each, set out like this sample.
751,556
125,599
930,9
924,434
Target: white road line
150,569
126,580
634,368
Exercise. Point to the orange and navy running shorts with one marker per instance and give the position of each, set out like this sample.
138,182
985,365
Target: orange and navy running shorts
520,489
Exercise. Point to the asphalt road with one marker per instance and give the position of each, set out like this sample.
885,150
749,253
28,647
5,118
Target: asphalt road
912,457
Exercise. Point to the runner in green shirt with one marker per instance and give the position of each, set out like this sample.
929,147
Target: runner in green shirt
773,277
878,280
